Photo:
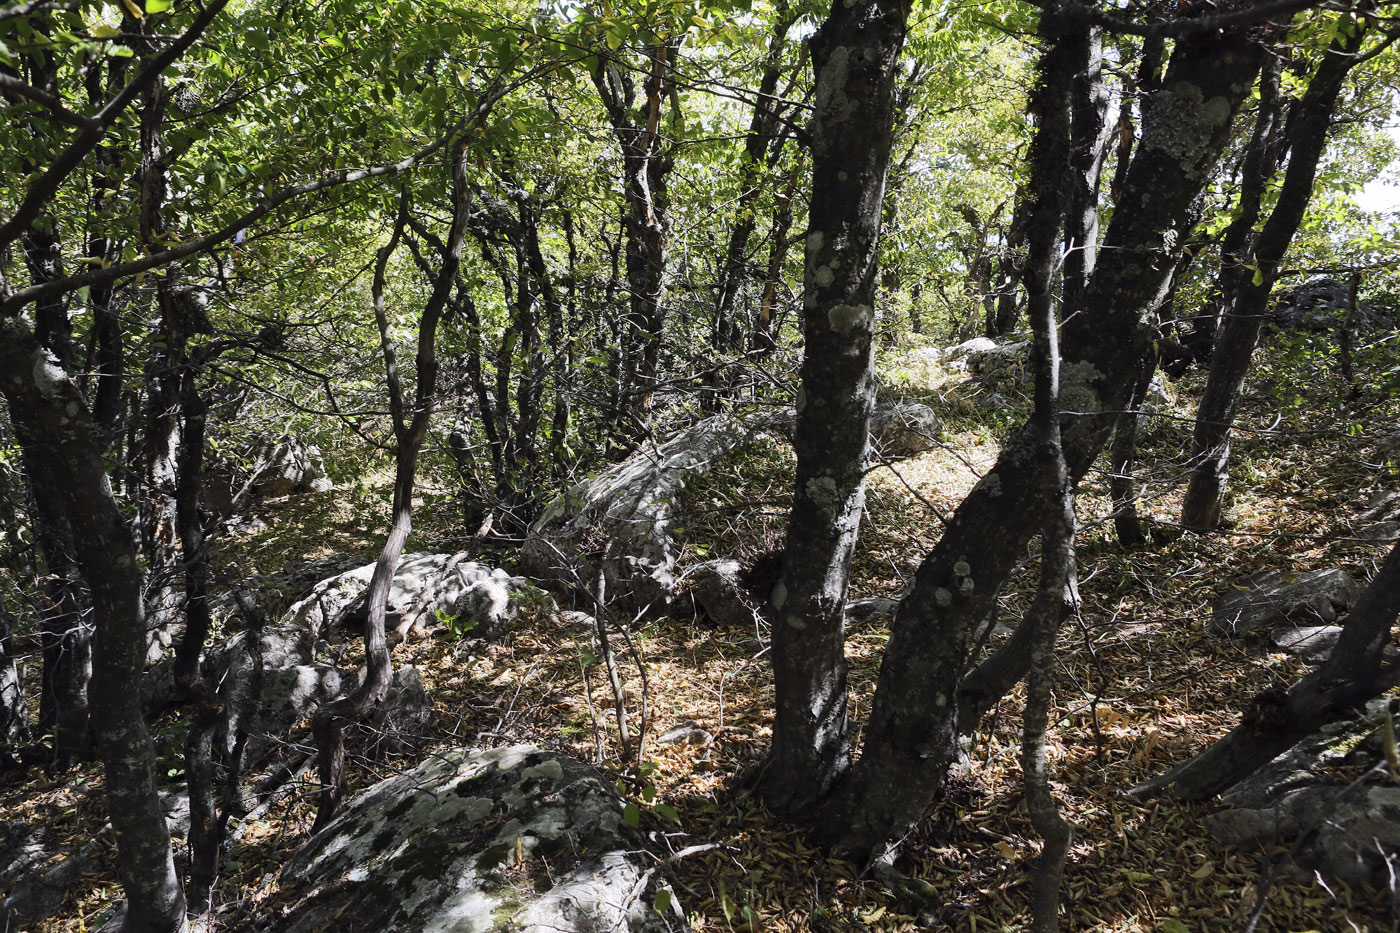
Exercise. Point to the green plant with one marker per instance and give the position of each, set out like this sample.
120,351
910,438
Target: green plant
456,625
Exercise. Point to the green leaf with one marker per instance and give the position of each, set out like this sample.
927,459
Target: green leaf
632,816
105,32
1258,276
662,903
669,812
1172,925
158,6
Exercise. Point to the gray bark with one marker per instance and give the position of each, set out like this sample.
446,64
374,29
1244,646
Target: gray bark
1252,278
912,735
34,384
855,56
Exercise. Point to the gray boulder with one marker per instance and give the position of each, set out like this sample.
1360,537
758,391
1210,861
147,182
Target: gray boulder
1312,643
480,840
427,589
1347,831
1381,520
903,429
36,873
621,519
1263,600
717,589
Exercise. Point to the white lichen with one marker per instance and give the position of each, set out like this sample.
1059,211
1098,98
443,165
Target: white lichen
942,597
844,318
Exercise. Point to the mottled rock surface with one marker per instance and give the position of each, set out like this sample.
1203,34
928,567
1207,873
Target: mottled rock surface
1264,600
903,429
480,840
427,588
1308,802
622,518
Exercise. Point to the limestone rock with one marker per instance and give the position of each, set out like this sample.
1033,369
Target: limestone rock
1312,643
622,517
426,588
903,429
1381,520
480,840
1263,600
1348,830
36,873
718,589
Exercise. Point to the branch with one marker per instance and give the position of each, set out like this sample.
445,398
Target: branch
47,185
11,303
44,99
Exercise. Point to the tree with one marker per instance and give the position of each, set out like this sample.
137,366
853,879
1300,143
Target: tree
1250,263
921,704
855,55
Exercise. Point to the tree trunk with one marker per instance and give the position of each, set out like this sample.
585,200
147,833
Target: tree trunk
37,387
1248,278
1122,458
410,429
646,163
762,146
912,735
855,56
1357,670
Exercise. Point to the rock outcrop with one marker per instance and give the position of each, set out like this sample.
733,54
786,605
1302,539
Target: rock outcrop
621,520
1262,601
428,590
480,840
1328,801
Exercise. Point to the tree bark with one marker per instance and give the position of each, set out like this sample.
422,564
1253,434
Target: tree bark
912,735
35,385
855,55
410,429
646,163
1249,278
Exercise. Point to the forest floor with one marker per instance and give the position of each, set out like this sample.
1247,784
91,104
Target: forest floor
1142,685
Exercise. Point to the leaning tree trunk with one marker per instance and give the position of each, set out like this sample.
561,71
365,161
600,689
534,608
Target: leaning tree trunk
1356,671
1252,280
49,401
855,55
912,736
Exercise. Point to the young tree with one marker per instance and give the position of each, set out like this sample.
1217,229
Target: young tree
1250,264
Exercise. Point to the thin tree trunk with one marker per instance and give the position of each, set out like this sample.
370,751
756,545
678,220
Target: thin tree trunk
1055,155
410,429
1122,458
1247,294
